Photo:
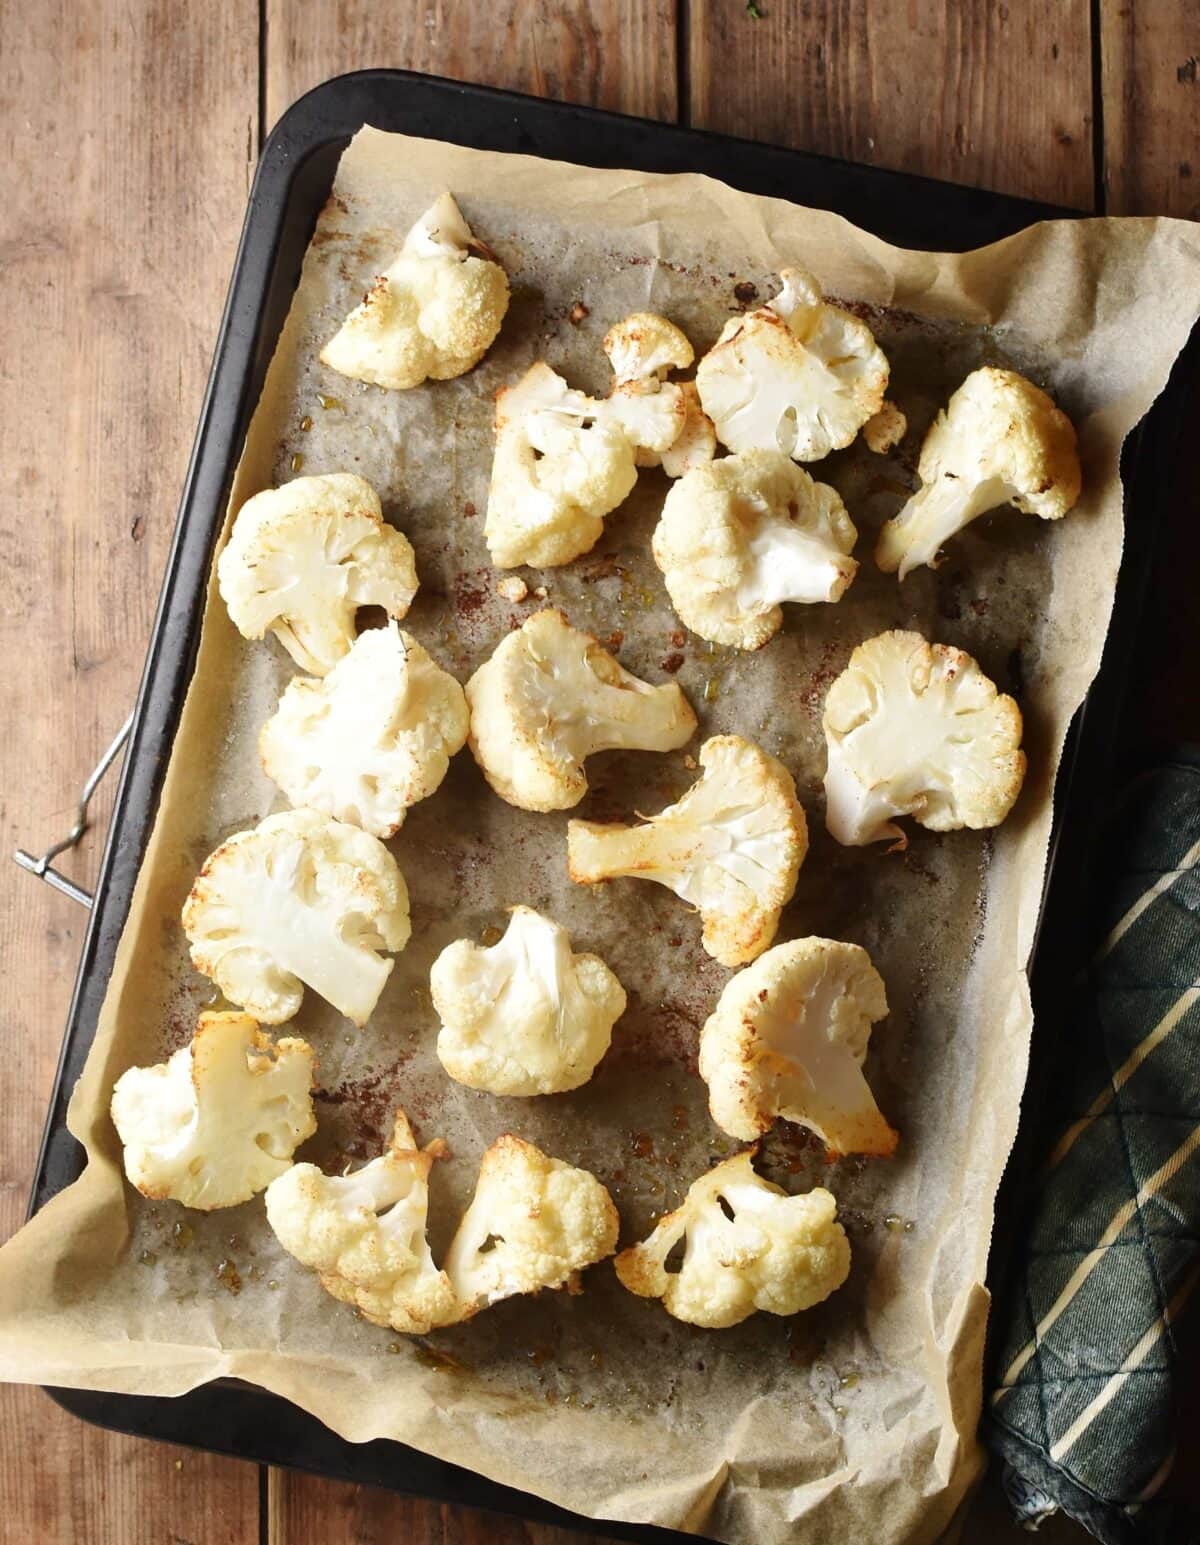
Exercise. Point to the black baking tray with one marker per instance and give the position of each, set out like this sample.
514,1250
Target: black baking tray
294,177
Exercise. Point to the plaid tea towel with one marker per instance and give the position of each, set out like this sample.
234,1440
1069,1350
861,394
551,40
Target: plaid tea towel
1094,1408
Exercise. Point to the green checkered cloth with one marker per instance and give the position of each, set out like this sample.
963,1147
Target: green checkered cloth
1088,1379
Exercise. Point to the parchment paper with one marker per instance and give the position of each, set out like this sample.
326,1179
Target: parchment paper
857,1419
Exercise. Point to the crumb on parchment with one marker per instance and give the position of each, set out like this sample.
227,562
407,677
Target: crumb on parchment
886,429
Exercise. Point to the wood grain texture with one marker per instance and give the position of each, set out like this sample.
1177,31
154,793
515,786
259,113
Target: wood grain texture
123,176
618,54
303,1509
994,95
77,1485
1150,69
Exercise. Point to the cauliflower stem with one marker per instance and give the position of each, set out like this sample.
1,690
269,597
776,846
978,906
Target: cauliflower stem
732,847
790,564
788,1038
935,513
549,698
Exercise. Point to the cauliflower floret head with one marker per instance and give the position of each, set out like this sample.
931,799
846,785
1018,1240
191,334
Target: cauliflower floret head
885,429
526,1016
999,440
534,1222
644,347
303,558
551,696
797,375
664,419
298,899
788,1038
563,461
221,1119
748,1245
365,1233
732,847
433,315
371,739
741,535
917,729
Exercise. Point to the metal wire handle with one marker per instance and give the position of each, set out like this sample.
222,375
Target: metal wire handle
42,866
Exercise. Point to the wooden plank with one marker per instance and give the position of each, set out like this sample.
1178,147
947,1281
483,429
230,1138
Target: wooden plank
125,133
67,1484
1150,69
607,53
994,95
303,1509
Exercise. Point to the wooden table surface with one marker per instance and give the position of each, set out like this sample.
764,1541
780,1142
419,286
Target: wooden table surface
131,129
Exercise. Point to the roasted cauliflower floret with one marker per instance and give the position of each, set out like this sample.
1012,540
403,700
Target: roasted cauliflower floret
797,375
534,1222
372,738
549,697
741,535
303,558
917,729
788,1038
732,847
642,350
563,461
298,899
365,1233
433,315
526,1016
999,440
221,1119
885,429
748,1245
